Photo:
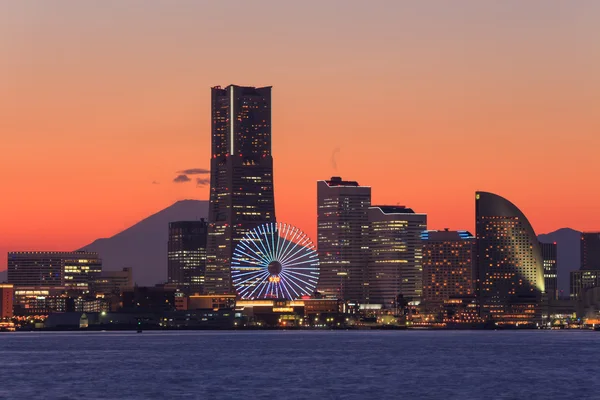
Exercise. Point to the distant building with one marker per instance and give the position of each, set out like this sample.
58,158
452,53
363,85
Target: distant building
241,175
549,256
510,263
396,254
213,302
342,230
583,280
41,300
77,269
590,251
113,282
187,255
448,265
6,300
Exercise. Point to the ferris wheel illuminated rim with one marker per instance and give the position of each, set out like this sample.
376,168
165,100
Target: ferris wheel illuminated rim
275,260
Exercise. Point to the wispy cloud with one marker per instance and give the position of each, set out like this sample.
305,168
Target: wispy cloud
155,183
181,178
333,158
202,181
194,171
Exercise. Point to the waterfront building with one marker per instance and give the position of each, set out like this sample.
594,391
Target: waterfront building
187,255
75,269
6,300
510,263
241,175
342,238
448,265
41,300
113,282
549,255
148,299
396,254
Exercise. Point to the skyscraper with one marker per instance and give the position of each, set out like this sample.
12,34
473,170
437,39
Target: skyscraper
342,230
396,254
590,251
71,269
448,265
510,264
241,175
550,269
187,255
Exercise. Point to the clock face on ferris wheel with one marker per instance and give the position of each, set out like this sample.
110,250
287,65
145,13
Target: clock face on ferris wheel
277,261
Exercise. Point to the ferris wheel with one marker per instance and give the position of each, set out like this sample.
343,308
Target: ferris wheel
275,260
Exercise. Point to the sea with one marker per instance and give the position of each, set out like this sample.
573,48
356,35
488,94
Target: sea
536,364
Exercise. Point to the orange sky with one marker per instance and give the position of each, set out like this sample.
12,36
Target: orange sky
425,102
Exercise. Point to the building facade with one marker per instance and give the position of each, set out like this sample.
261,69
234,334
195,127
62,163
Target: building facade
113,282
241,175
342,238
448,265
590,251
75,270
6,300
395,254
509,260
583,280
187,255
549,255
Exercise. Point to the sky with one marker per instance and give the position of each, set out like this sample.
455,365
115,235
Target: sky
102,103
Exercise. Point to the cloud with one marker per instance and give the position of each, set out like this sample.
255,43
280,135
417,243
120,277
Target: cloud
333,160
155,183
194,171
202,181
181,178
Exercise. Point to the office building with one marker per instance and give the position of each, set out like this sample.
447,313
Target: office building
6,300
549,255
76,270
590,251
113,282
41,300
342,236
583,280
187,255
241,175
448,265
396,254
510,264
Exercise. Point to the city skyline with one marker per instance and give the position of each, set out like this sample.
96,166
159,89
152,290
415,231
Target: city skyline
133,124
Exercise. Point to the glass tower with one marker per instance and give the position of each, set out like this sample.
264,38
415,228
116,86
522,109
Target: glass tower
187,255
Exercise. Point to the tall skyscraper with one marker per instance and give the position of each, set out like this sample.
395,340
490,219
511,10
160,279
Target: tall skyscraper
549,256
396,254
342,231
510,264
448,265
590,251
187,255
71,269
241,175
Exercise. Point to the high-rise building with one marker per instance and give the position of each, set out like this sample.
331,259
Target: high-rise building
510,264
550,269
395,254
74,270
448,265
241,175
6,300
342,231
590,251
187,255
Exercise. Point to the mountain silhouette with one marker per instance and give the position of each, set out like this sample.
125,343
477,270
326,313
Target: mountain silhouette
568,253
143,246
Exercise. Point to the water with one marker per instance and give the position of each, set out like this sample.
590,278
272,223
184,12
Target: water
301,365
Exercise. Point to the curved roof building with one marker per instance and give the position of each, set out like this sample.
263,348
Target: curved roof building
510,263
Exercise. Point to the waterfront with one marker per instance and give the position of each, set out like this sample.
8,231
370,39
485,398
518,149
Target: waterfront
301,365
